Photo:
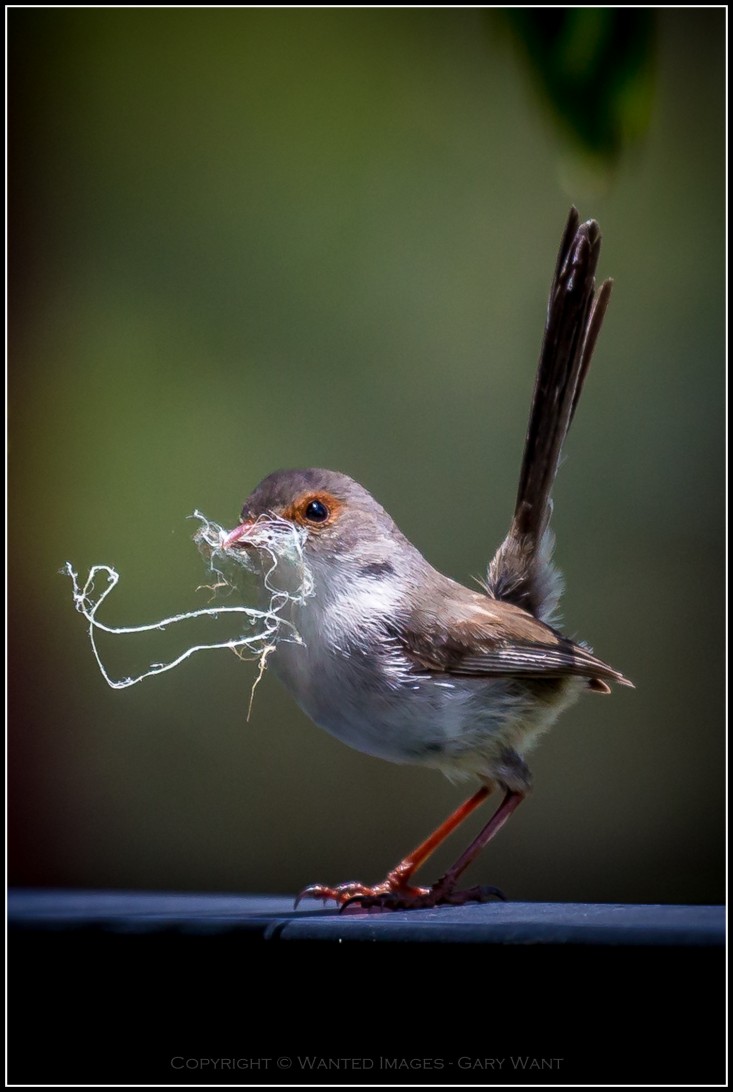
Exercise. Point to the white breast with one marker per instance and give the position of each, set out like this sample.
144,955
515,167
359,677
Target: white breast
353,680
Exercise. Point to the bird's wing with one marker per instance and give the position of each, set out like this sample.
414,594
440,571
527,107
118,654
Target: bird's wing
478,636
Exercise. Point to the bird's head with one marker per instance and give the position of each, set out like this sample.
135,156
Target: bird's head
345,533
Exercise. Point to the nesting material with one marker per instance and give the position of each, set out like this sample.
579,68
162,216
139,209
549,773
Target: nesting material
275,550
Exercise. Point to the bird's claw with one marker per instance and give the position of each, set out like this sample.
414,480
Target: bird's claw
341,893
426,898
386,896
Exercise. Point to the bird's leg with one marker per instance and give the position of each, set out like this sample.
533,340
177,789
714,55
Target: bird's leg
443,891
398,877
396,882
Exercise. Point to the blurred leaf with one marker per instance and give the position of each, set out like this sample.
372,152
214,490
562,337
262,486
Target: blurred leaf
595,71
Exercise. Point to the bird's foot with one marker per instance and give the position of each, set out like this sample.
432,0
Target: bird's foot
395,886
395,894
423,898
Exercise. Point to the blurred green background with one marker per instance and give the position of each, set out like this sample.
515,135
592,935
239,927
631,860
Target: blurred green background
250,239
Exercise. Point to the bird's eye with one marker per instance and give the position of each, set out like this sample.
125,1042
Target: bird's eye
316,512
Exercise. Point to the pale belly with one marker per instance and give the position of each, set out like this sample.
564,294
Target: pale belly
461,726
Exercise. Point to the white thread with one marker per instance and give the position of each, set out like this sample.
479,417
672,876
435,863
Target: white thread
277,538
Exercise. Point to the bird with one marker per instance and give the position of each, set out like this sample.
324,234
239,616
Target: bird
406,664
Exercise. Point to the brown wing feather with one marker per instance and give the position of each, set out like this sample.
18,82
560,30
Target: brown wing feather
484,637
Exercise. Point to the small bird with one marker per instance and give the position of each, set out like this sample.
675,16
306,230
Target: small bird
404,663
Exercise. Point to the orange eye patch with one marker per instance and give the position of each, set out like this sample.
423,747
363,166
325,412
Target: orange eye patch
314,510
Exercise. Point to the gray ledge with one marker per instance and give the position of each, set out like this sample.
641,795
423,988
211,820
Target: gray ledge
274,918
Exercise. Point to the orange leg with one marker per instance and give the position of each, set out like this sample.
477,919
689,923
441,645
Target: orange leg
443,890
396,882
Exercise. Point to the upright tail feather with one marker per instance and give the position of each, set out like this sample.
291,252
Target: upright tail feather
521,571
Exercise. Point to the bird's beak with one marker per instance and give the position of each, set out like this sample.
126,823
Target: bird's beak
238,537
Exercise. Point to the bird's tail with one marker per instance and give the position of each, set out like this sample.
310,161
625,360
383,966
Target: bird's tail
521,571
